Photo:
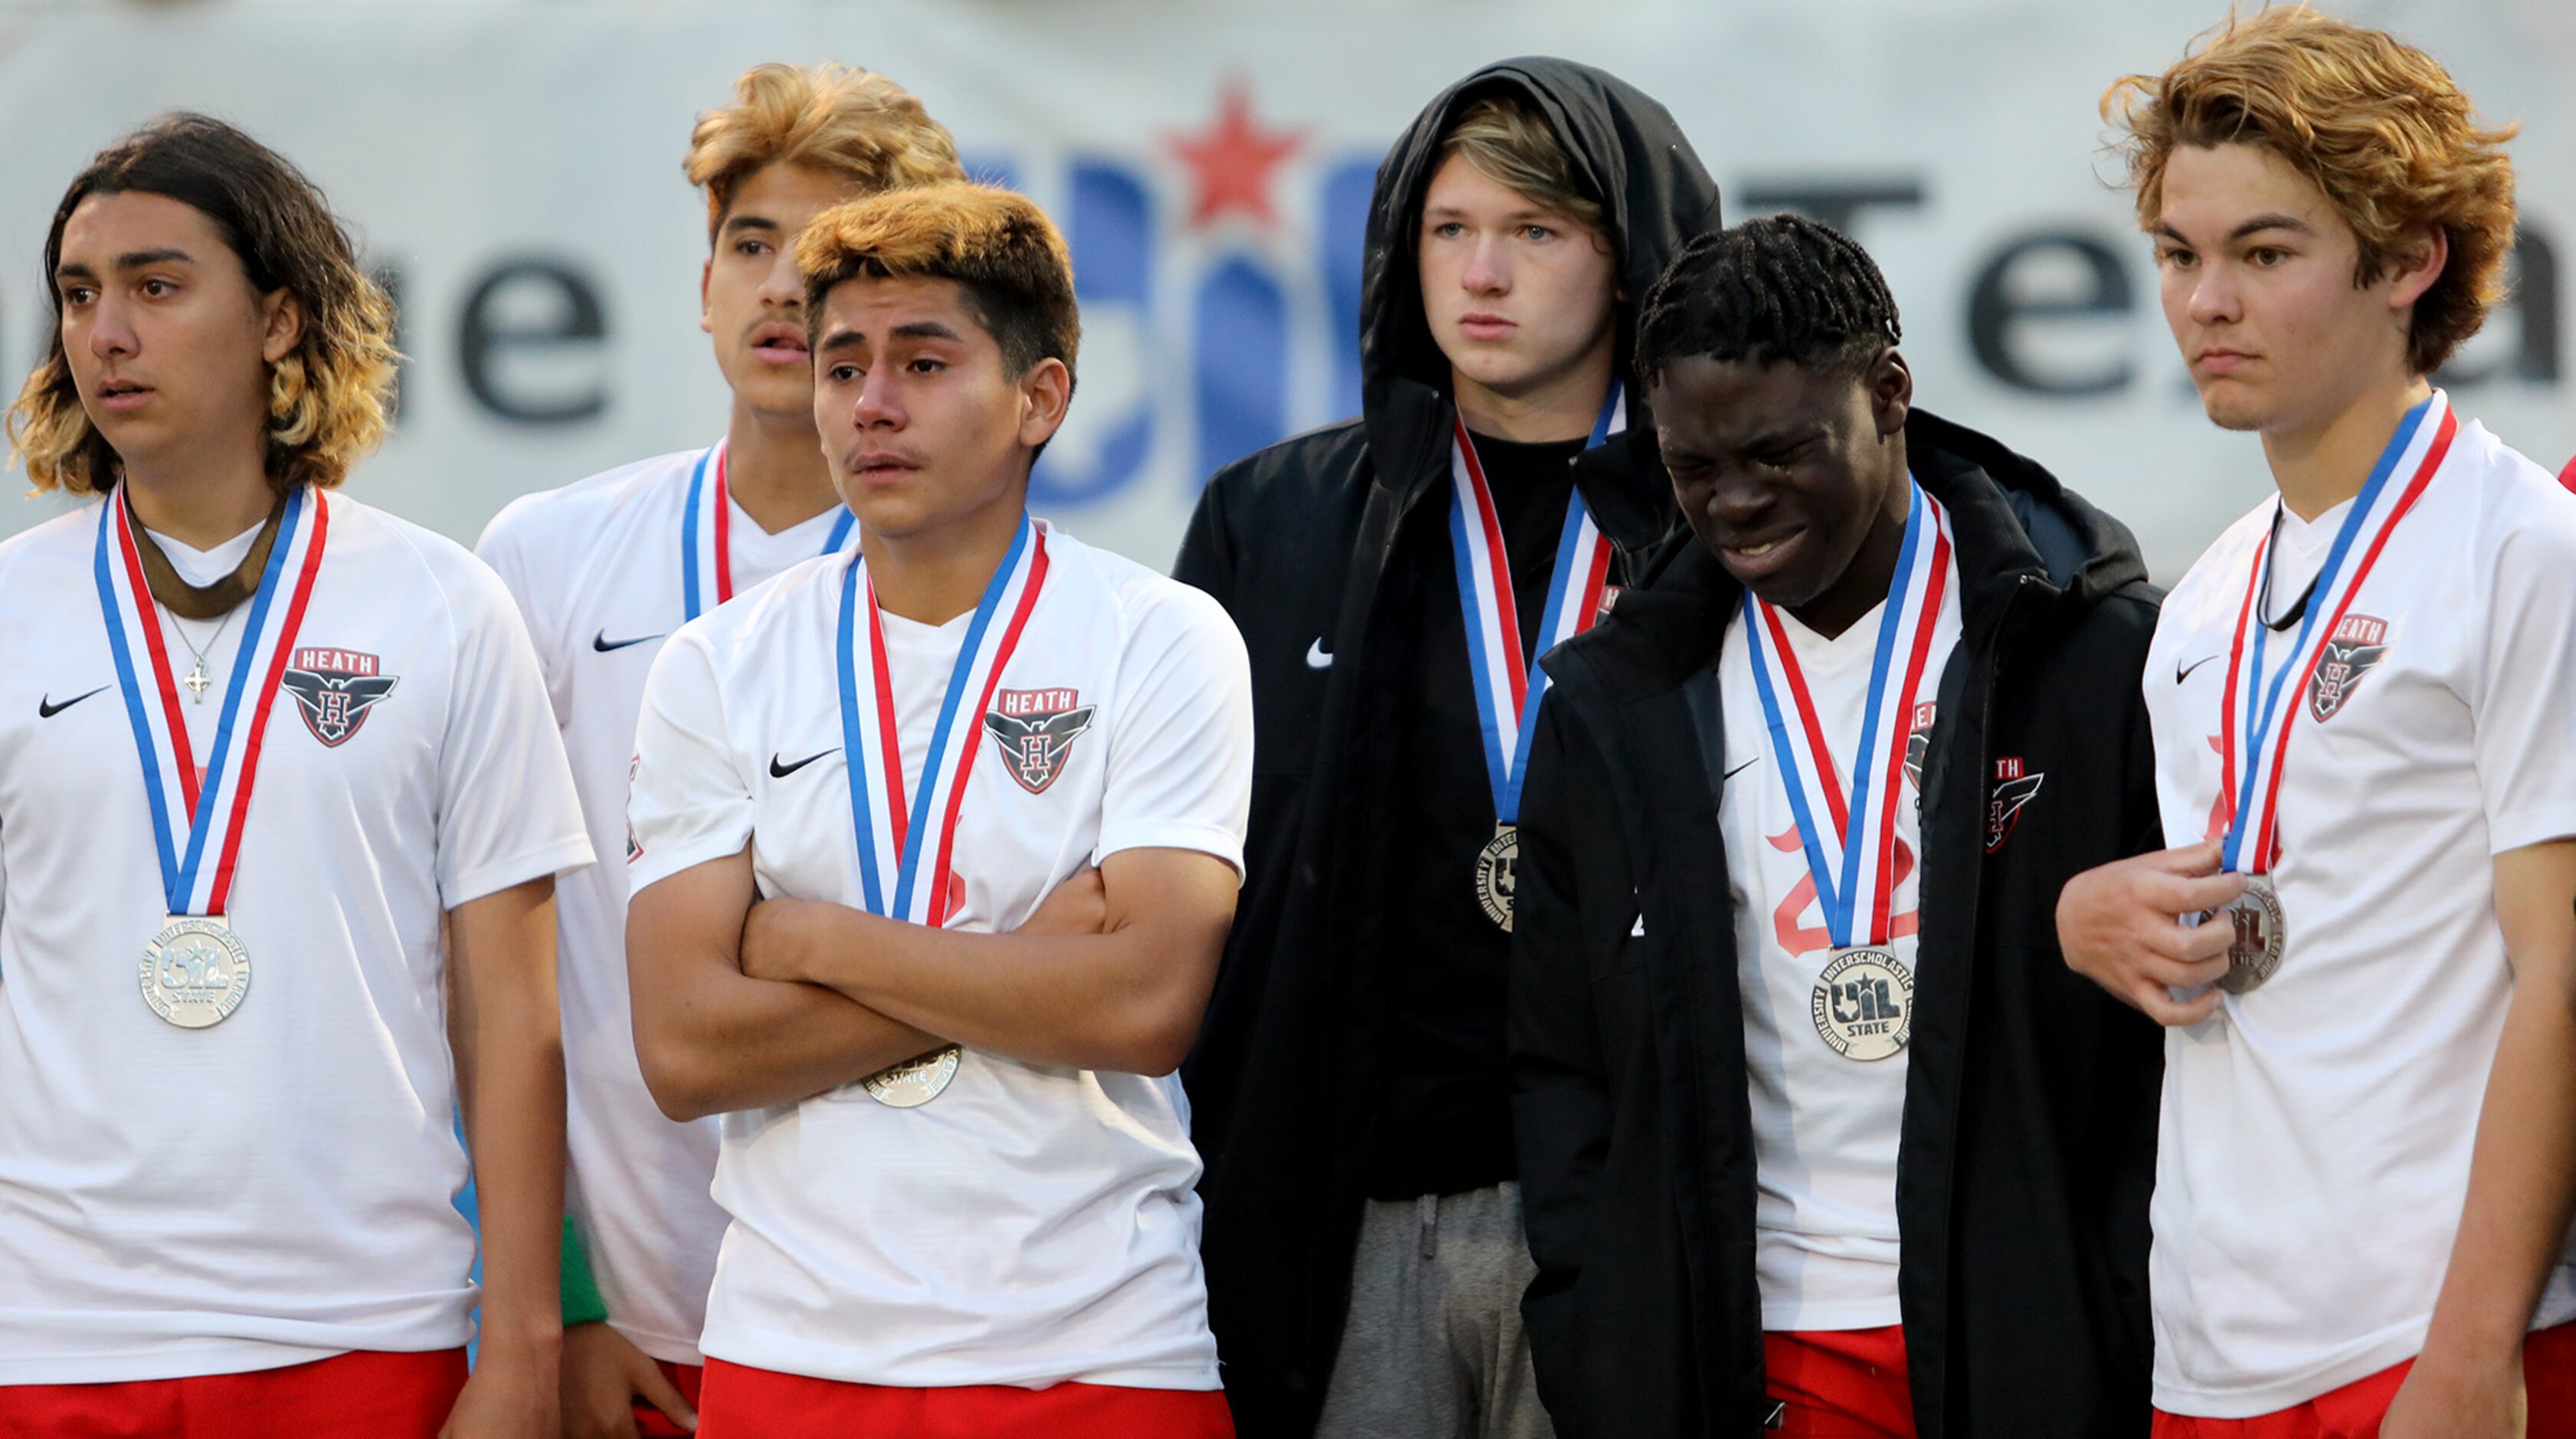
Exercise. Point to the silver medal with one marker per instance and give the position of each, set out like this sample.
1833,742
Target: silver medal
195,971
2254,952
1497,871
1863,1004
915,1082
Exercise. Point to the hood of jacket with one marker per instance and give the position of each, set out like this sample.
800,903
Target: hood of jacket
1656,196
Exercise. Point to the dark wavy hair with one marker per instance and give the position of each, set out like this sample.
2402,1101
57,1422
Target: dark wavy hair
327,396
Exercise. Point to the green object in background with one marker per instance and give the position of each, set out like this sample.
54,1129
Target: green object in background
581,1301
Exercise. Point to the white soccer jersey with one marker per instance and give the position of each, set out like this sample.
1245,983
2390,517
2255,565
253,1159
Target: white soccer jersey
601,569
277,1187
1825,1124
2315,1138
1031,1224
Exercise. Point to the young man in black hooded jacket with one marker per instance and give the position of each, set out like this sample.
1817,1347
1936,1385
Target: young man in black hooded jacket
1813,1130
1394,577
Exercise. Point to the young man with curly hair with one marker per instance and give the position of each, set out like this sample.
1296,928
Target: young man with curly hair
2367,1155
604,570
270,742
1797,816
935,847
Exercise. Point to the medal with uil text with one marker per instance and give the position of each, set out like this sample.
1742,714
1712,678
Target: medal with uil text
1508,679
905,850
706,535
195,969
2255,723
1863,1000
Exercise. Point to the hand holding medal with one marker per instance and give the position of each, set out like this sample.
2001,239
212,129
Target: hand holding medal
1509,682
1863,1005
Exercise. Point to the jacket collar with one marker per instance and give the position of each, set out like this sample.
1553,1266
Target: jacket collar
1622,483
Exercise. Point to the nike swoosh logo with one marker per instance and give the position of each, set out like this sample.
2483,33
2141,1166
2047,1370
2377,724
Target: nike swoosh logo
782,771
2183,671
1317,657
1739,769
47,709
602,643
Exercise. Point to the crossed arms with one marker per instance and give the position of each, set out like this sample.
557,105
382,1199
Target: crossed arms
741,1005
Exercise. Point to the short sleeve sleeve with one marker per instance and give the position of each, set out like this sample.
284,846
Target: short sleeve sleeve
690,802
507,809
1180,760
2526,683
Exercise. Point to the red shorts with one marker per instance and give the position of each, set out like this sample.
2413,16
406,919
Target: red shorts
1840,1383
360,1395
2354,1411
746,1403
652,1423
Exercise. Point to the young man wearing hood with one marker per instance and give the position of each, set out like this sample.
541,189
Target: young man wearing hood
1394,577
1833,1144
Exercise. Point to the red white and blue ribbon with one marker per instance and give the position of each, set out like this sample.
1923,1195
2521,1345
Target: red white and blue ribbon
1850,838
905,850
198,811
1509,680
2255,724
706,535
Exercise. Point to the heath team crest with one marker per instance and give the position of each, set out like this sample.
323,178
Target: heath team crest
334,689
1035,731
2358,644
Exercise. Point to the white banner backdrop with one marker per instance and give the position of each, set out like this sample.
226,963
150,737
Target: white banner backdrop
513,168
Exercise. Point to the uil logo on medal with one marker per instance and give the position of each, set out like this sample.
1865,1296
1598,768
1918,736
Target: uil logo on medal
1864,1004
334,689
1035,730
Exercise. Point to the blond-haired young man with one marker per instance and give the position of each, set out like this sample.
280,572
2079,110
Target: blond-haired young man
1395,576
604,570
2367,1153
936,846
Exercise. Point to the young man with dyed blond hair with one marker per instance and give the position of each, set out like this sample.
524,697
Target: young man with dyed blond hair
935,847
1395,577
2359,694
604,570
291,754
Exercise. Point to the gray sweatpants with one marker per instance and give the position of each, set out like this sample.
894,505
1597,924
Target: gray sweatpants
1433,1347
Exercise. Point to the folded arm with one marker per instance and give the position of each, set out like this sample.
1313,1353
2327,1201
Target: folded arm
711,1038
1126,998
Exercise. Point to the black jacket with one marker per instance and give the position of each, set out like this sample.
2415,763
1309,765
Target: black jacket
1322,547
2028,1144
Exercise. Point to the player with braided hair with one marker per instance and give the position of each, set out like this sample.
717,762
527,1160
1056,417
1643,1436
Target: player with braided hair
1905,661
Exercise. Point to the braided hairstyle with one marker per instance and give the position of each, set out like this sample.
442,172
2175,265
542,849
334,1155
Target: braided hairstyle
1783,287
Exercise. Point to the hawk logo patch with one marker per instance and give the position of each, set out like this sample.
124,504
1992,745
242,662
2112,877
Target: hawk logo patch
1918,743
1035,730
2014,790
334,689
2358,643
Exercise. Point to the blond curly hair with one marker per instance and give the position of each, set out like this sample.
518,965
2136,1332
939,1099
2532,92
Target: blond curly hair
327,397
831,117
2375,123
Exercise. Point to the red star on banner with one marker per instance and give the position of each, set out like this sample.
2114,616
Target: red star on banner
1233,160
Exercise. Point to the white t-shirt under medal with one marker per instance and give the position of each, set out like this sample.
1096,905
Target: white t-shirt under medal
1826,1030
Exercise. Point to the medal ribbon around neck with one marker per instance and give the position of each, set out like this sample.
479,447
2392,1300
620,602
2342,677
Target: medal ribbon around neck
1851,846
706,535
212,810
2254,727
1510,683
904,850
